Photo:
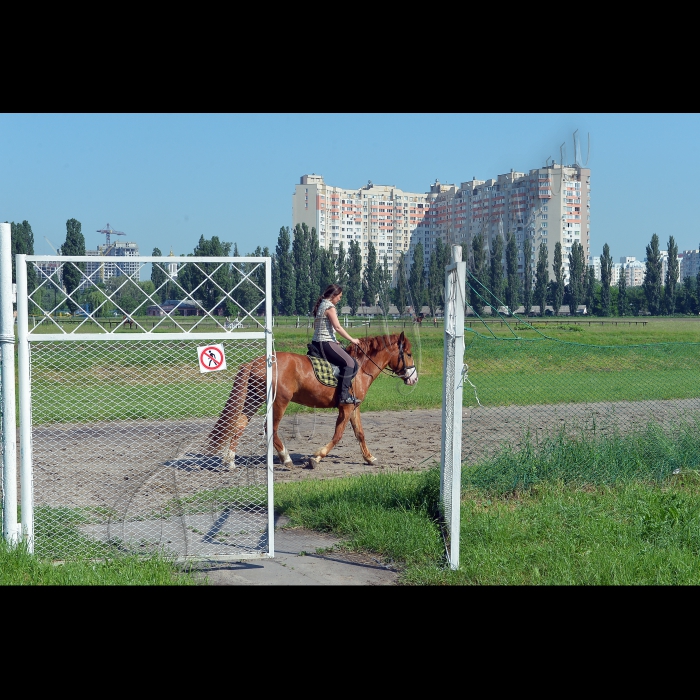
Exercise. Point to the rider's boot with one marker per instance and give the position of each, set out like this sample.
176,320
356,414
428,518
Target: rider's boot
345,396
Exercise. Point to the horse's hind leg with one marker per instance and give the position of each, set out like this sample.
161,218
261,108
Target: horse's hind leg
340,424
227,424
356,424
254,398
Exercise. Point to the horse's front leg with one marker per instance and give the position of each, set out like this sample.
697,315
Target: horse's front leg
278,409
356,424
343,414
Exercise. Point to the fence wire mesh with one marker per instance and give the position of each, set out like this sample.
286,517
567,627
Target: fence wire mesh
122,420
545,408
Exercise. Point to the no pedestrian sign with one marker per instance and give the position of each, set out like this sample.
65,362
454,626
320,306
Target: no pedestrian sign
211,358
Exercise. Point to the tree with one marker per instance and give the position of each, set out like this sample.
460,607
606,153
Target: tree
652,276
370,280
301,254
341,266
354,288
401,288
542,278
622,293
496,271
589,295
22,243
286,301
478,266
527,274
384,285
606,264
158,276
72,272
513,278
327,269
671,276
256,286
415,279
204,281
558,267
315,289
577,276
436,275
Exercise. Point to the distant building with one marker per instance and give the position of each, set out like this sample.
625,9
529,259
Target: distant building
547,205
97,272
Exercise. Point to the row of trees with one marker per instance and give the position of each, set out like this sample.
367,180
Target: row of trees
301,270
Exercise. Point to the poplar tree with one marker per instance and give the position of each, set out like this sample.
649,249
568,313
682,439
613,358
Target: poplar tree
527,274
354,288
606,264
496,279
415,279
74,245
558,267
513,286
301,254
158,276
370,280
478,266
671,276
652,276
286,297
542,278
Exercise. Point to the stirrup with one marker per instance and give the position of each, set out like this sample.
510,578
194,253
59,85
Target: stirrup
350,400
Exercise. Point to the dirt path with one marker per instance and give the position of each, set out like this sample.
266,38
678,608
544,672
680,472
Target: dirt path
411,440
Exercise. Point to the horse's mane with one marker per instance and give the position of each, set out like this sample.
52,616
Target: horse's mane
372,344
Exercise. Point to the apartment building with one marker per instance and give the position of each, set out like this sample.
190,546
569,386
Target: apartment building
690,263
121,251
383,214
547,205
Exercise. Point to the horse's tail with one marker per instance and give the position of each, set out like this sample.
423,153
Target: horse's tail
228,419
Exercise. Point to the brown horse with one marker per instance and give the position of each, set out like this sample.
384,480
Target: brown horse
293,379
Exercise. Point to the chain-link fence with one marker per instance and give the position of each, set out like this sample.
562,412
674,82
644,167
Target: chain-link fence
125,393
632,409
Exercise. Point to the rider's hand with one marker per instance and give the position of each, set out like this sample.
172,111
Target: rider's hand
354,341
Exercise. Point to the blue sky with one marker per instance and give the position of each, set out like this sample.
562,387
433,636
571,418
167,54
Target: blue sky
167,179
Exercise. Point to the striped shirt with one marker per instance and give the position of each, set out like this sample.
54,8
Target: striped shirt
323,329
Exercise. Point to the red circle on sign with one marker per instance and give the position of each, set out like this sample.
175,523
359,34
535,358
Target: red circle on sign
214,363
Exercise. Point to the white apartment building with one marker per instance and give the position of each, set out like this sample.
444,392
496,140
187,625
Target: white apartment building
548,205
690,263
121,251
385,215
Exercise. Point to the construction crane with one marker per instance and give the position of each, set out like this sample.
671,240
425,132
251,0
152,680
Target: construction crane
52,246
108,231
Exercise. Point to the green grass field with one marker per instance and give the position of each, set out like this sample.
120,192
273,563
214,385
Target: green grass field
559,363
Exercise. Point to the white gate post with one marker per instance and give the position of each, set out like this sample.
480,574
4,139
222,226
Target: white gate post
453,361
10,529
26,483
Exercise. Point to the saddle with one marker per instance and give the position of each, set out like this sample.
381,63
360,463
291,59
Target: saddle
325,372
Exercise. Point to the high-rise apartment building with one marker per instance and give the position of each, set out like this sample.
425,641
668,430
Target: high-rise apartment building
690,263
547,205
121,251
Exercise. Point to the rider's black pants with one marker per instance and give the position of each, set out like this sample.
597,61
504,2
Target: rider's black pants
334,353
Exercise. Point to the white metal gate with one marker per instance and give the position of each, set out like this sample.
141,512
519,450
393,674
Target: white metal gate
118,398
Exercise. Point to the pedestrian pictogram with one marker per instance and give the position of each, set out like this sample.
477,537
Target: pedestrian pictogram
211,358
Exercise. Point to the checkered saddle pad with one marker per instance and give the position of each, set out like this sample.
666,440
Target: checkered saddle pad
325,372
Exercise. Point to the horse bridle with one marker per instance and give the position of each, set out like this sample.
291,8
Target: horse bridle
392,373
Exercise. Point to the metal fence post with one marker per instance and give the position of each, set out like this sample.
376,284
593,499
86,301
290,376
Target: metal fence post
451,461
10,529
25,411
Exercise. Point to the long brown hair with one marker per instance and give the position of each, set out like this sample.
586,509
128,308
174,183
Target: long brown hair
332,290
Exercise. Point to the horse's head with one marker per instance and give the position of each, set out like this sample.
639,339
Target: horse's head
402,363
